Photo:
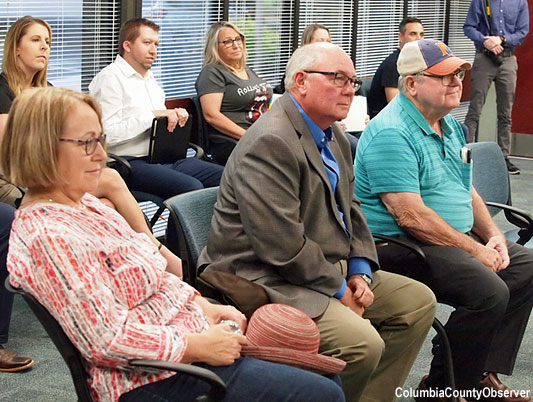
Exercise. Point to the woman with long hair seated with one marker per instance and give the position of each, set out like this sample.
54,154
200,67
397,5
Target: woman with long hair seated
232,95
106,284
25,64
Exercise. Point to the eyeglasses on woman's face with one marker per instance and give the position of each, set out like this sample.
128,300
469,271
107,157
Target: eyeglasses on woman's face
90,144
229,42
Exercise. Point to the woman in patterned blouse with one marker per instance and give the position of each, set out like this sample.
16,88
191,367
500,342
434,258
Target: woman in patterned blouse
105,283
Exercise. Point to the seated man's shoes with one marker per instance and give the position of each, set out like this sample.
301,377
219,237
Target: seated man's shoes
11,362
492,386
423,387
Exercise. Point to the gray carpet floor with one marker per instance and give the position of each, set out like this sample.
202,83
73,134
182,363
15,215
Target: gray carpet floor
49,380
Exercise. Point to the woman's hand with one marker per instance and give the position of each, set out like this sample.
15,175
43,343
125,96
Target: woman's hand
218,346
173,262
218,312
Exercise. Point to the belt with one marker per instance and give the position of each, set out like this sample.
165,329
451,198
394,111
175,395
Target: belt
505,53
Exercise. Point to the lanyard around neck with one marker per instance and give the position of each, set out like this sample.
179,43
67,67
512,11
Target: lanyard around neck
487,8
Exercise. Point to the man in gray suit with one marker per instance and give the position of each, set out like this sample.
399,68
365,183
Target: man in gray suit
286,218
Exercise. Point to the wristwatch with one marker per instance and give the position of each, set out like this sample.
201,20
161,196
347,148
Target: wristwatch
367,278
504,41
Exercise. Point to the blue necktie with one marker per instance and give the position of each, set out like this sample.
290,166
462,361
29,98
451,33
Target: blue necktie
332,169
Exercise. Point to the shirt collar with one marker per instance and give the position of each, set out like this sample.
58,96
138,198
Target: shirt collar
419,118
128,70
321,137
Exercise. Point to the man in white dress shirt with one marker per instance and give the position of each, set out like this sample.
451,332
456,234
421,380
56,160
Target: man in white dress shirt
130,98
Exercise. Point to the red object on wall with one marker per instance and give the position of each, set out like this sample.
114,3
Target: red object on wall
523,105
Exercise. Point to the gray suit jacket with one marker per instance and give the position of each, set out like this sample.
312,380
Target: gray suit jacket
276,220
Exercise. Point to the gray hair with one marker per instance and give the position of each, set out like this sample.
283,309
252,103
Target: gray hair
401,82
305,58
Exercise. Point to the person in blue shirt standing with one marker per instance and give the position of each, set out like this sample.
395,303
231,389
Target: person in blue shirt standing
496,28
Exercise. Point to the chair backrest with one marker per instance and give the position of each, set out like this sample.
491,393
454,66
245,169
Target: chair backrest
68,351
365,87
188,229
202,127
489,173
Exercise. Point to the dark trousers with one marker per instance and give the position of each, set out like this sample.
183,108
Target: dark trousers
171,179
484,72
247,380
491,309
6,298
220,151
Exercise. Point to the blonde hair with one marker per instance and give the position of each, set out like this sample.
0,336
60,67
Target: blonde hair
13,73
307,34
211,55
28,152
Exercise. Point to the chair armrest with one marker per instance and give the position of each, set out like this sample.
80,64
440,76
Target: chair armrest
200,153
218,387
519,218
120,164
20,189
417,251
12,289
516,216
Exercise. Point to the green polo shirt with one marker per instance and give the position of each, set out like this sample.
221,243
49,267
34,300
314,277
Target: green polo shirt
400,152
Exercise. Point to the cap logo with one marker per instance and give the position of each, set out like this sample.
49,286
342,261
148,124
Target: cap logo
429,55
442,48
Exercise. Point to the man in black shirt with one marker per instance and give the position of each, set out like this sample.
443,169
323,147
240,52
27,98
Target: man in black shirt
385,82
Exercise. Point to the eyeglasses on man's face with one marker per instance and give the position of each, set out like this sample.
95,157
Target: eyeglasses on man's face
229,42
90,144
448,79
339,79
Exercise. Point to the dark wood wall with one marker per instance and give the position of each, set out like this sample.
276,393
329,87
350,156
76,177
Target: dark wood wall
523,106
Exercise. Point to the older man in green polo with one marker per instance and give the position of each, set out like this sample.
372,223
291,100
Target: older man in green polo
413,177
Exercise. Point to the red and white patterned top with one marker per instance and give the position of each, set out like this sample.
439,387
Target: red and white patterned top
107,287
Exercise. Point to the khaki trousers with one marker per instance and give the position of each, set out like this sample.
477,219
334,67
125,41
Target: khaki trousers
379,348
9,193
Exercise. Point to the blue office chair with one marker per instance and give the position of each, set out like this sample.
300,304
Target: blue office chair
491,180
188,228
